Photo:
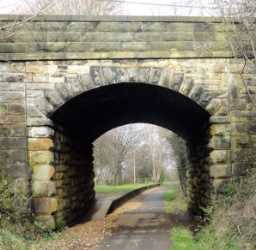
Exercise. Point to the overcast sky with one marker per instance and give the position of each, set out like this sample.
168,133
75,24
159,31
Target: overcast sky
144,7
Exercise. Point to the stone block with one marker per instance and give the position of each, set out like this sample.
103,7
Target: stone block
33,67
219,130
239,168
219,156
43,172
46,206
213,106
243,155
46,222
40,144
243,140
41,78
12,86
219,120
220,171
219,185
12,143
43,188
12,77
40,157
16,109
220,142
42,121
37,132
12,97
186,87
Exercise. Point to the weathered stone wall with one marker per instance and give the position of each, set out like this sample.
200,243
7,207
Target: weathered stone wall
242,107
79,37
25,84
13,129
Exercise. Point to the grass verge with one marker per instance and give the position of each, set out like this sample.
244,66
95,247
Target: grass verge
233,219
174,200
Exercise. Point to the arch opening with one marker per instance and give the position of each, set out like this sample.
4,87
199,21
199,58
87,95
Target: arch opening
81,120
96,111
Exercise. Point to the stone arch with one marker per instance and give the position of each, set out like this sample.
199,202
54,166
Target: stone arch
99,76
58,151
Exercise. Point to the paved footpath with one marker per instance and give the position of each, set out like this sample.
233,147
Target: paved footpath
144,228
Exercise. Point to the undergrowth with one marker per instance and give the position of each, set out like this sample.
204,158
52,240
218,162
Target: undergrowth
17,230
232,223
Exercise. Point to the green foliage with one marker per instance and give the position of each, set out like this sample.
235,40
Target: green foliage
169,197
210,240
234,213
17,230
232,225
11,241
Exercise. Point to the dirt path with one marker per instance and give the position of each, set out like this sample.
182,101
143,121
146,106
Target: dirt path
140,224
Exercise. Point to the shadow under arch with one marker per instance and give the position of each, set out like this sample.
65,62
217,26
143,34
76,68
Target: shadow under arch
96,111
87,116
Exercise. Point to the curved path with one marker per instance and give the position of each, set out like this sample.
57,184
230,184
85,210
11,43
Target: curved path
145,228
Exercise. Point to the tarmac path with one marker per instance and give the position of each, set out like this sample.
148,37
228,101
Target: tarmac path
147,227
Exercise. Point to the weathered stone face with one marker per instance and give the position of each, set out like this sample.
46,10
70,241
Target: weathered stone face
189,58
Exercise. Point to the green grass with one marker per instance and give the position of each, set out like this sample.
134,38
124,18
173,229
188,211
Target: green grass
169,197
182,239
11,241
211,237
174,199
118,188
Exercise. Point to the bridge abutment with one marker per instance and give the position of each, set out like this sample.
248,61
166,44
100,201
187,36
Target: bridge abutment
62,177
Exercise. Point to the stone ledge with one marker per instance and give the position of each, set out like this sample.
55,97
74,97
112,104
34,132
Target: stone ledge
40,56
82,18
120,200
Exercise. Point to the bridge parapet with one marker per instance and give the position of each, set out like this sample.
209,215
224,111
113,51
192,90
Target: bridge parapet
76,37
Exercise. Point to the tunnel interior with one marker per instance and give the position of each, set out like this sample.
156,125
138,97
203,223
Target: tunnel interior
81,120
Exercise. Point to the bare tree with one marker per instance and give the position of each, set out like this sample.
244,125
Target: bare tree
32,9
239,18
131,154
69,7
116,144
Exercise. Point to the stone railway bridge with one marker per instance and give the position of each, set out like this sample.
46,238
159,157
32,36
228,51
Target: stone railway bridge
64,81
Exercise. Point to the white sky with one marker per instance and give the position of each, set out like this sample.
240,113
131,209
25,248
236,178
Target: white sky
129,8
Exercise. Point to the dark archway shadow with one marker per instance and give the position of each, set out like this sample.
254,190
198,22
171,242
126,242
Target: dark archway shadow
94,112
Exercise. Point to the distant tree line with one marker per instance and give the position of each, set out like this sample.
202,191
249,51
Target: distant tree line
132,154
